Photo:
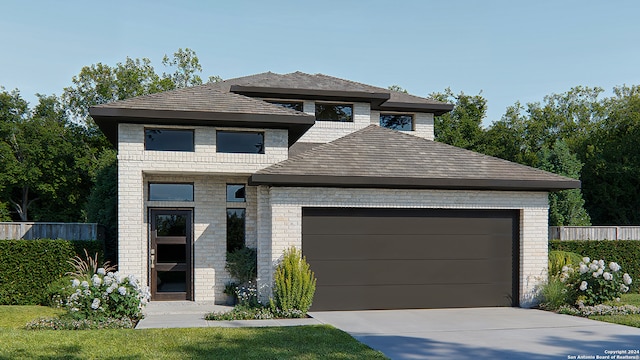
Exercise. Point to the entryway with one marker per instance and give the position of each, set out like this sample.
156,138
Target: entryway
171,254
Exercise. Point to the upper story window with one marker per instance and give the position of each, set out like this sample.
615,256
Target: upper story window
293,105
168,139
236,193
240,142
334,112
402,122
170,192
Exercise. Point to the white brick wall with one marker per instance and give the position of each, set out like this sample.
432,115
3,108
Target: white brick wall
285,223
423,123
210,172
204,159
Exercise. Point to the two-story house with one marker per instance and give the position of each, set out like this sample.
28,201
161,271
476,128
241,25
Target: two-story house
350,173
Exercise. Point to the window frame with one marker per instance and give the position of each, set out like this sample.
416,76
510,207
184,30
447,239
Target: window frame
244,230
193,138
219,131
278,102
170,183
413,120
244,199
350,105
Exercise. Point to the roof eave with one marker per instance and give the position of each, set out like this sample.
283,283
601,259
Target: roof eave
375,98
412,183
436,109
108,118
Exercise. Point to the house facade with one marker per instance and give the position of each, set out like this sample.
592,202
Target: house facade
345,171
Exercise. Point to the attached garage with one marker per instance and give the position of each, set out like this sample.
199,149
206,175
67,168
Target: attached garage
369,258
392,221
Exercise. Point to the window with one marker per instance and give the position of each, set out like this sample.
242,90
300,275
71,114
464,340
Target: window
334,112
240,142
168,140
235,229
293,105
170,192
235,193
402,122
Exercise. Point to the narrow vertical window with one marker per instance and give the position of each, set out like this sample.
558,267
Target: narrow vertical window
235,229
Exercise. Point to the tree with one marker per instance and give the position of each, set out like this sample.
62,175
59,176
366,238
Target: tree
461,127
186,65
565,207
42,164
102,202
611,175
397,88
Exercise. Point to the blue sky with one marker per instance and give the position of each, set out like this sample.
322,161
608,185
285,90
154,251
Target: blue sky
509,50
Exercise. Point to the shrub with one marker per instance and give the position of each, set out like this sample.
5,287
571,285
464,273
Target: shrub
242,264
294,285
29,266
107,295
559,258
556,294
595,282
624,252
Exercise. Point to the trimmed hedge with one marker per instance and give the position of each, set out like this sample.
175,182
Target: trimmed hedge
27,267
624,252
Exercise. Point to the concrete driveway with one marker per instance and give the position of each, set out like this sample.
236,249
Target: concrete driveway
485,333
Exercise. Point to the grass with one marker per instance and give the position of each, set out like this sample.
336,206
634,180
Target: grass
629,320
306,342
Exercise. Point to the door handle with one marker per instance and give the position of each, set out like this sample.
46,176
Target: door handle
153,261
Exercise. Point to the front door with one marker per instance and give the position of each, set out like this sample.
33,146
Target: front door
170,254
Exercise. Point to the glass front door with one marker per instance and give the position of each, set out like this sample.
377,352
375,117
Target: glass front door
170,255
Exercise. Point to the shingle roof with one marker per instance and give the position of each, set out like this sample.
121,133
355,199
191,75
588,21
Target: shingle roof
301,85
382,158
204,98
199,105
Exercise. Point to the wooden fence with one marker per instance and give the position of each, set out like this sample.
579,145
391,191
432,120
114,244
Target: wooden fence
51,230
594,232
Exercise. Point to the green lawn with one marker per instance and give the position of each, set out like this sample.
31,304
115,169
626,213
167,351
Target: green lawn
630,320
306,342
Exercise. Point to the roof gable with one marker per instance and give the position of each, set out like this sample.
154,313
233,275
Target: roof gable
381,158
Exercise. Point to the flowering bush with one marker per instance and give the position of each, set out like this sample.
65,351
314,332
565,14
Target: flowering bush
600,310
595,282
107,295
247,294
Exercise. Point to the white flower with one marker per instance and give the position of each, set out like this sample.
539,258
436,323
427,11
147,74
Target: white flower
84,284
624,288
614,266
583,268
101,271
607,276
565,269
583,286
595,274
586,260
601,263
108,281
600,271
95,304
75,282
122,290
96,280
627,279
593,267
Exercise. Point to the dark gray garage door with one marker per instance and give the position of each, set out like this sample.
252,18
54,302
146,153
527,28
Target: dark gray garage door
411,258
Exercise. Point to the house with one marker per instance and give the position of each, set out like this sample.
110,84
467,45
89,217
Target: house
387,217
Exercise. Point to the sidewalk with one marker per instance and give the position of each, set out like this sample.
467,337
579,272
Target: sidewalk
187,314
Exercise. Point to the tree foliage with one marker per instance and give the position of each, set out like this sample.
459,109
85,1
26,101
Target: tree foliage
461,127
